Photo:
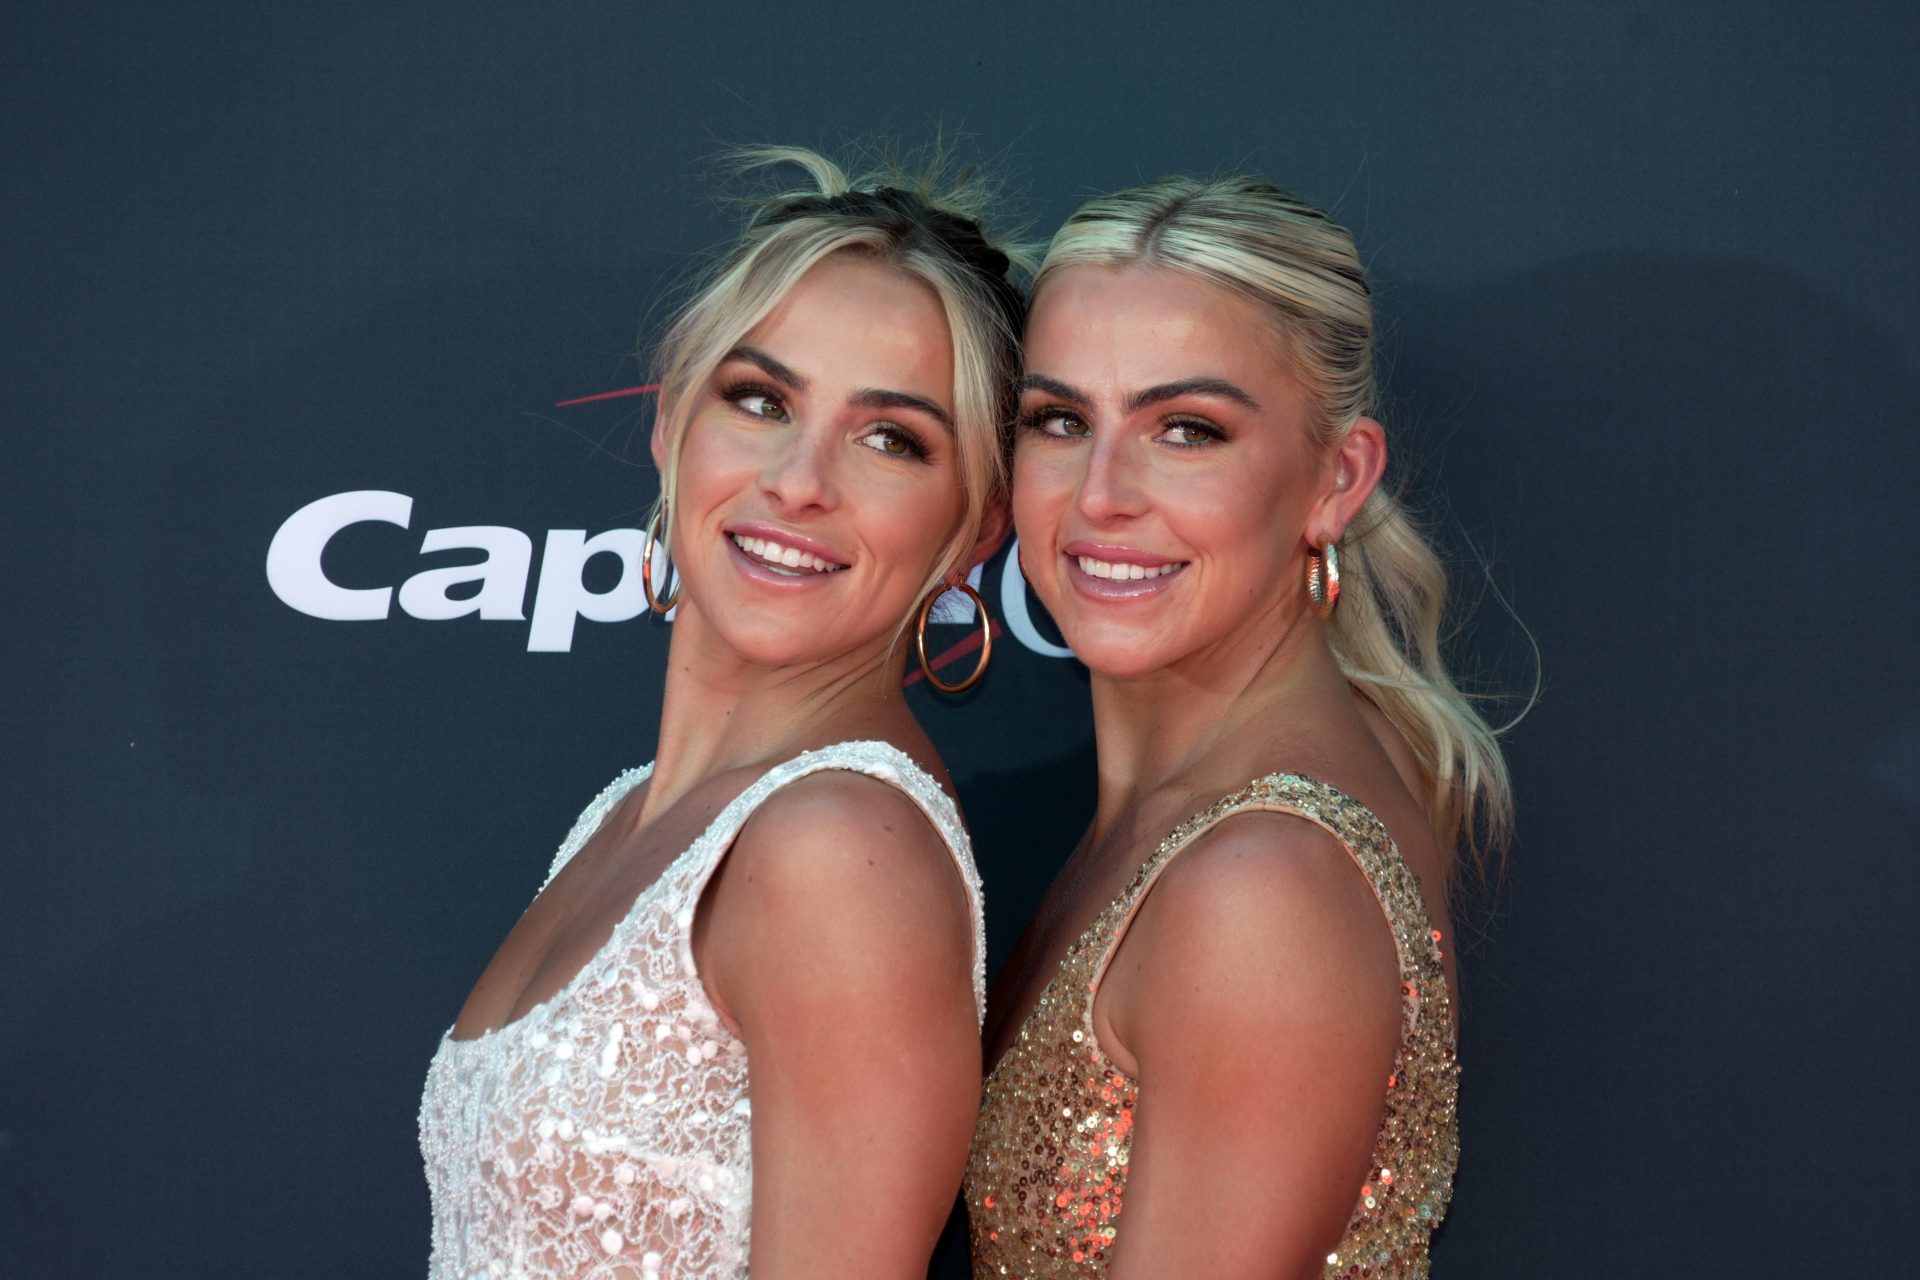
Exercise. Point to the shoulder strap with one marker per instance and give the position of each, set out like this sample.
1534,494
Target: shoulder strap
880,760
1354,825
593,815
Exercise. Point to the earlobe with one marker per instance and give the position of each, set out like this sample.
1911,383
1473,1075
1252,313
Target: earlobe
657,445
1359,462
996,523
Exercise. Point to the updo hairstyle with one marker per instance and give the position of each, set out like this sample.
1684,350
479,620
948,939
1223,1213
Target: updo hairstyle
924,226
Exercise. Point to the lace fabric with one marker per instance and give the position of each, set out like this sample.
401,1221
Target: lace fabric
605,1134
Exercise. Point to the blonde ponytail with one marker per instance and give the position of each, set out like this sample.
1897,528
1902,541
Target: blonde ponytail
1386,633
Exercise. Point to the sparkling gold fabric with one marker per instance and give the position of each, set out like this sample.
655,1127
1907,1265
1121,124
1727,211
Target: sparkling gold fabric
1046,1180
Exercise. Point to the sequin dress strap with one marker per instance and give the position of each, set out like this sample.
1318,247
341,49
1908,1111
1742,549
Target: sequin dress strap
1357,829
1047,1175
889,764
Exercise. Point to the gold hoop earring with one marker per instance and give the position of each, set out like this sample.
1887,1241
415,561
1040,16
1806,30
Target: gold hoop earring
1323,579
654,602
986,639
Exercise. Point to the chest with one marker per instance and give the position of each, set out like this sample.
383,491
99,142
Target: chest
1053,1142
611,1121
1092,886
621,861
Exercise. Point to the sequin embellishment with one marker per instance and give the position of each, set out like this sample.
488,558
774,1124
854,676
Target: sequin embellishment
1047,1174
605,1133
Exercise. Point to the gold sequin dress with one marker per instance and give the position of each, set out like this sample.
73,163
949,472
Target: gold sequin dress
1046,1180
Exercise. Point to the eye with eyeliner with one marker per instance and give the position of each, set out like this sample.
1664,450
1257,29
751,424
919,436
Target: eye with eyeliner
912,447
1208,432
1037,422
738,393
886,434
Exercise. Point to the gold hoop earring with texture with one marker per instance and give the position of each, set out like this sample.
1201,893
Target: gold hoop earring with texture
1323,579
654,602
986,639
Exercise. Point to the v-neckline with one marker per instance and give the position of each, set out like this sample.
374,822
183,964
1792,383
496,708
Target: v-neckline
632,779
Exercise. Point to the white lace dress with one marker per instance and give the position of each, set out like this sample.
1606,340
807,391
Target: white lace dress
605,1133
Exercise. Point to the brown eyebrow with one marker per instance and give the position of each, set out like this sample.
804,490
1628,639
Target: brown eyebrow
868,398
1219,388
877,398
768,365
1053,387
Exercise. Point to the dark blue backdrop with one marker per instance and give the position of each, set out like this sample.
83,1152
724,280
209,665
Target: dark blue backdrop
1649,288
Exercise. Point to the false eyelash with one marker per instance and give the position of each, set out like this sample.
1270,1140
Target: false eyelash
1031,420
917,447
1196,424
732,391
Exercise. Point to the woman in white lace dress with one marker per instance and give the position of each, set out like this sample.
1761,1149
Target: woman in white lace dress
739,1026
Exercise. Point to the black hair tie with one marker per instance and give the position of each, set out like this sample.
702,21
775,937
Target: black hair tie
959,235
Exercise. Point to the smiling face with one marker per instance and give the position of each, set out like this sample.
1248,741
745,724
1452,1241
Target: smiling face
818,478
1165,486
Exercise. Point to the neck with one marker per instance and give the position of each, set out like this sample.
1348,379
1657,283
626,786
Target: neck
721,711
1211,706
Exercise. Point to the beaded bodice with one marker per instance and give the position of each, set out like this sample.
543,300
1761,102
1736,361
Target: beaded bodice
1047,1176
605,1133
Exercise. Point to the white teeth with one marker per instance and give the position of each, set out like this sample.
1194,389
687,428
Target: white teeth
1122,572
777,554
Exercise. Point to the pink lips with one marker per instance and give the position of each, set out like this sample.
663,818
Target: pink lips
786,538
762,568
1096,587
1117,555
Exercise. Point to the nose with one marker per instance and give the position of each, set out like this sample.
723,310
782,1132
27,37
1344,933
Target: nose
1110,487
798,476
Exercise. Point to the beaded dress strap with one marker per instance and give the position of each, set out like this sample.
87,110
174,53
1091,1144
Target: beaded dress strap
593,815
879,760
690,872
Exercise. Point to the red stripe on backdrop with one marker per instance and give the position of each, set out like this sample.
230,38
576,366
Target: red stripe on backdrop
608,395
943,660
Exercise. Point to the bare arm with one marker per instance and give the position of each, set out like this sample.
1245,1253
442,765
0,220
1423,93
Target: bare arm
1258,997
840,943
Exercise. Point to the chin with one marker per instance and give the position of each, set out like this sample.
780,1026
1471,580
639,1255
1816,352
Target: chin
1123,671
800,638
779,646
1119,653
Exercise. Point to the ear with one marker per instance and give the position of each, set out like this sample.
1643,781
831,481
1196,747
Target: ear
658,445
1357,466
996,522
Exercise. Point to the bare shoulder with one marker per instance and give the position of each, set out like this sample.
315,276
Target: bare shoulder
1262,925
837,890
1258,1001
1274,874
839,832
841,946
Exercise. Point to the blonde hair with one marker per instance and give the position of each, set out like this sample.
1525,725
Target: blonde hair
906,215
1292,259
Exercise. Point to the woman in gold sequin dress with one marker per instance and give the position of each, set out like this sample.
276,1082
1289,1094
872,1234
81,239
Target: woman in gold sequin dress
1225,1046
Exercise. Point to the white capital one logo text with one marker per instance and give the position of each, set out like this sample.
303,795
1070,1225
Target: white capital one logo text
499,580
